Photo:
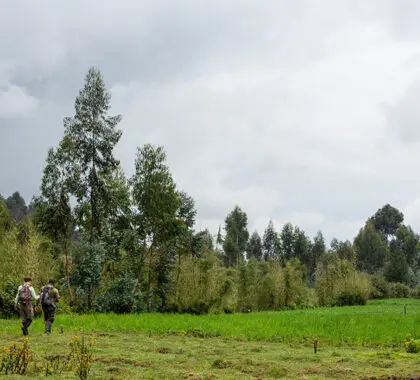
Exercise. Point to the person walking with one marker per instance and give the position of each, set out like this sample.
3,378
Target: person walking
48,298
24,303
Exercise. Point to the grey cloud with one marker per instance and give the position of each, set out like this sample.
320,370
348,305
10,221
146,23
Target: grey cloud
404,117
336,195
252,102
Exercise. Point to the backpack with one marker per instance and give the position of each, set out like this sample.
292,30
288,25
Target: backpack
45,296
25,296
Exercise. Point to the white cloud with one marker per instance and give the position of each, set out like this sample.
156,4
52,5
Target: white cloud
412,212
286,108
15,102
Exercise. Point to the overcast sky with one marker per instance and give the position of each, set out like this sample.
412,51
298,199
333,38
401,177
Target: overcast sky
300,111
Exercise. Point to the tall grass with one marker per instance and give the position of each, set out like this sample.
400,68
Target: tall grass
382,323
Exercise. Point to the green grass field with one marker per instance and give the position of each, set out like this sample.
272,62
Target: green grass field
353,342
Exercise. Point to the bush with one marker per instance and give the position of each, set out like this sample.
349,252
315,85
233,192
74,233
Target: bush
415,293
203,285
412,345
118,298
399,290
381,287
81,354
199,307
15,359
349,299
7,299
339,283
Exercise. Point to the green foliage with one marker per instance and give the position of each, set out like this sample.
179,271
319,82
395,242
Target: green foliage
7,299
6,220
204,285
154,195
81,354
412,345
398,290
270,286
159,222
15,359
271,243
387,220
344,250
254,248
408,241
227,297
186,211
302,246
24,252
348,298
52,212
56,365
90,138
371,248
415,293
17,206
318,249
249,274
199,284
380,287
118,298
236,238
86,276
397,268
338,283
202,242
287,241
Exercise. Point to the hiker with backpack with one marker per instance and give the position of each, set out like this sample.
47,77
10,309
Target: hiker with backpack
48,298
23,303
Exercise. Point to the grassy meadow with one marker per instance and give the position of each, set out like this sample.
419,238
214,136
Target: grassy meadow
353,342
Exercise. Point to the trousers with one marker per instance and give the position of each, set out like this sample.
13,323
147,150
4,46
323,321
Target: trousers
26,313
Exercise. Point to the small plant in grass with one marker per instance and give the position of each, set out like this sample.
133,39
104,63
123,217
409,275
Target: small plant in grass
221,364
412,345
15,359
81,354
56,364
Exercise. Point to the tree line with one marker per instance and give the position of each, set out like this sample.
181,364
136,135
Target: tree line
129,244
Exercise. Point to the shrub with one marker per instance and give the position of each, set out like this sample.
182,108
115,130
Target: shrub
412,345
381,287
415,293
15,359
338,283
280,287
81,355
296,292
202,285
399,290
56,364
199,307
227,297
118,298
7,301
348,299
353,290
86,275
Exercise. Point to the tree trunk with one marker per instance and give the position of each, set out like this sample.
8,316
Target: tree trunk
89,297
67,267
138,279
149,281
140,270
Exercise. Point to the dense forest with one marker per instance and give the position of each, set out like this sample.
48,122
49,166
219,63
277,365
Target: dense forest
129,244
